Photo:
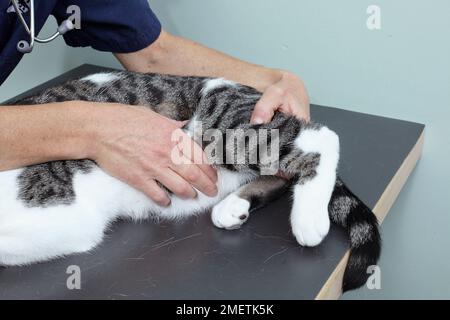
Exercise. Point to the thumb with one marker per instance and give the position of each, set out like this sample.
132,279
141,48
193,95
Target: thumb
265,108
166,119
260,115
182,123
179,124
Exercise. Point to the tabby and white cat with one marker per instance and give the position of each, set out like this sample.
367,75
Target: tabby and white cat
63,207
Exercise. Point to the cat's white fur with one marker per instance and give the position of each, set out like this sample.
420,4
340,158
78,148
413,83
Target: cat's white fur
215,83
33,234
309,217
101,78
228,212
29,235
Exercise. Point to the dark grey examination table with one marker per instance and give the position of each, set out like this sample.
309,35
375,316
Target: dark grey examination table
195,260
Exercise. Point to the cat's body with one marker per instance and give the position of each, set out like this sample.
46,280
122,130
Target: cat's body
63,207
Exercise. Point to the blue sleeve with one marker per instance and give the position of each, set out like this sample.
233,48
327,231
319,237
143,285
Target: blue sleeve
118,26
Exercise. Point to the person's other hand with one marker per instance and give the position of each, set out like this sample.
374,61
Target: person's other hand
134,144
287,95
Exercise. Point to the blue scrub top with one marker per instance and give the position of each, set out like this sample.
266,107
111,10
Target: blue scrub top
118,26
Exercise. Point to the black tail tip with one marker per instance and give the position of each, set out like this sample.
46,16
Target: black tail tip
354,281
362,228
365,247
360,261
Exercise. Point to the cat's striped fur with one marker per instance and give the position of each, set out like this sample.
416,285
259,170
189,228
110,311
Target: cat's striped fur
39,202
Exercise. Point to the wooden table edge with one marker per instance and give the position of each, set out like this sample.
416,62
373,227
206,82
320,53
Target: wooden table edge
331,290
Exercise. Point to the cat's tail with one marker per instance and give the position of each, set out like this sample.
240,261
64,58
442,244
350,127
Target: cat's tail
361,224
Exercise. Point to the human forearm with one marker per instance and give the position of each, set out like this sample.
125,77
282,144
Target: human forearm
36,134
175,55
282,90
133,144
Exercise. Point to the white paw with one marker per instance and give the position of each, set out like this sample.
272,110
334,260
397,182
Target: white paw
311,224
230,213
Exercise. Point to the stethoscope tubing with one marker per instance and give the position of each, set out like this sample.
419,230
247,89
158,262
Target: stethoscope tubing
31,29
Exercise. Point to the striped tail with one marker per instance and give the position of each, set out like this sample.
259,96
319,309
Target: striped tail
348,211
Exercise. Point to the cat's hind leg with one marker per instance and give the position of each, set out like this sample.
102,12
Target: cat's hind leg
39,234
313,162
233,211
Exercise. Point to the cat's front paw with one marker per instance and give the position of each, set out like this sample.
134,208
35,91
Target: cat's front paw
311,225
231,212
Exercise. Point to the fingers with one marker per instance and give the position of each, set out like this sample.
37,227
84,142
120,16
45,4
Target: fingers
194,154
188,163
272,101
151,189
177,184
287,95
300,109
179,124
196,177
266,106
162,118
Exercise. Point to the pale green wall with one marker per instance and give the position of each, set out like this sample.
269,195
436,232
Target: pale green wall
400,71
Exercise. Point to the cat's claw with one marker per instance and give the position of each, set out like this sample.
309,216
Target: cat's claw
230,213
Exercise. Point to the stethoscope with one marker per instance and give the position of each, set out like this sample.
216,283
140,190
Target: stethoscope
24,46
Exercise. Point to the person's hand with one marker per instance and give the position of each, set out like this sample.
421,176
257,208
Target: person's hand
134,144
287,95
